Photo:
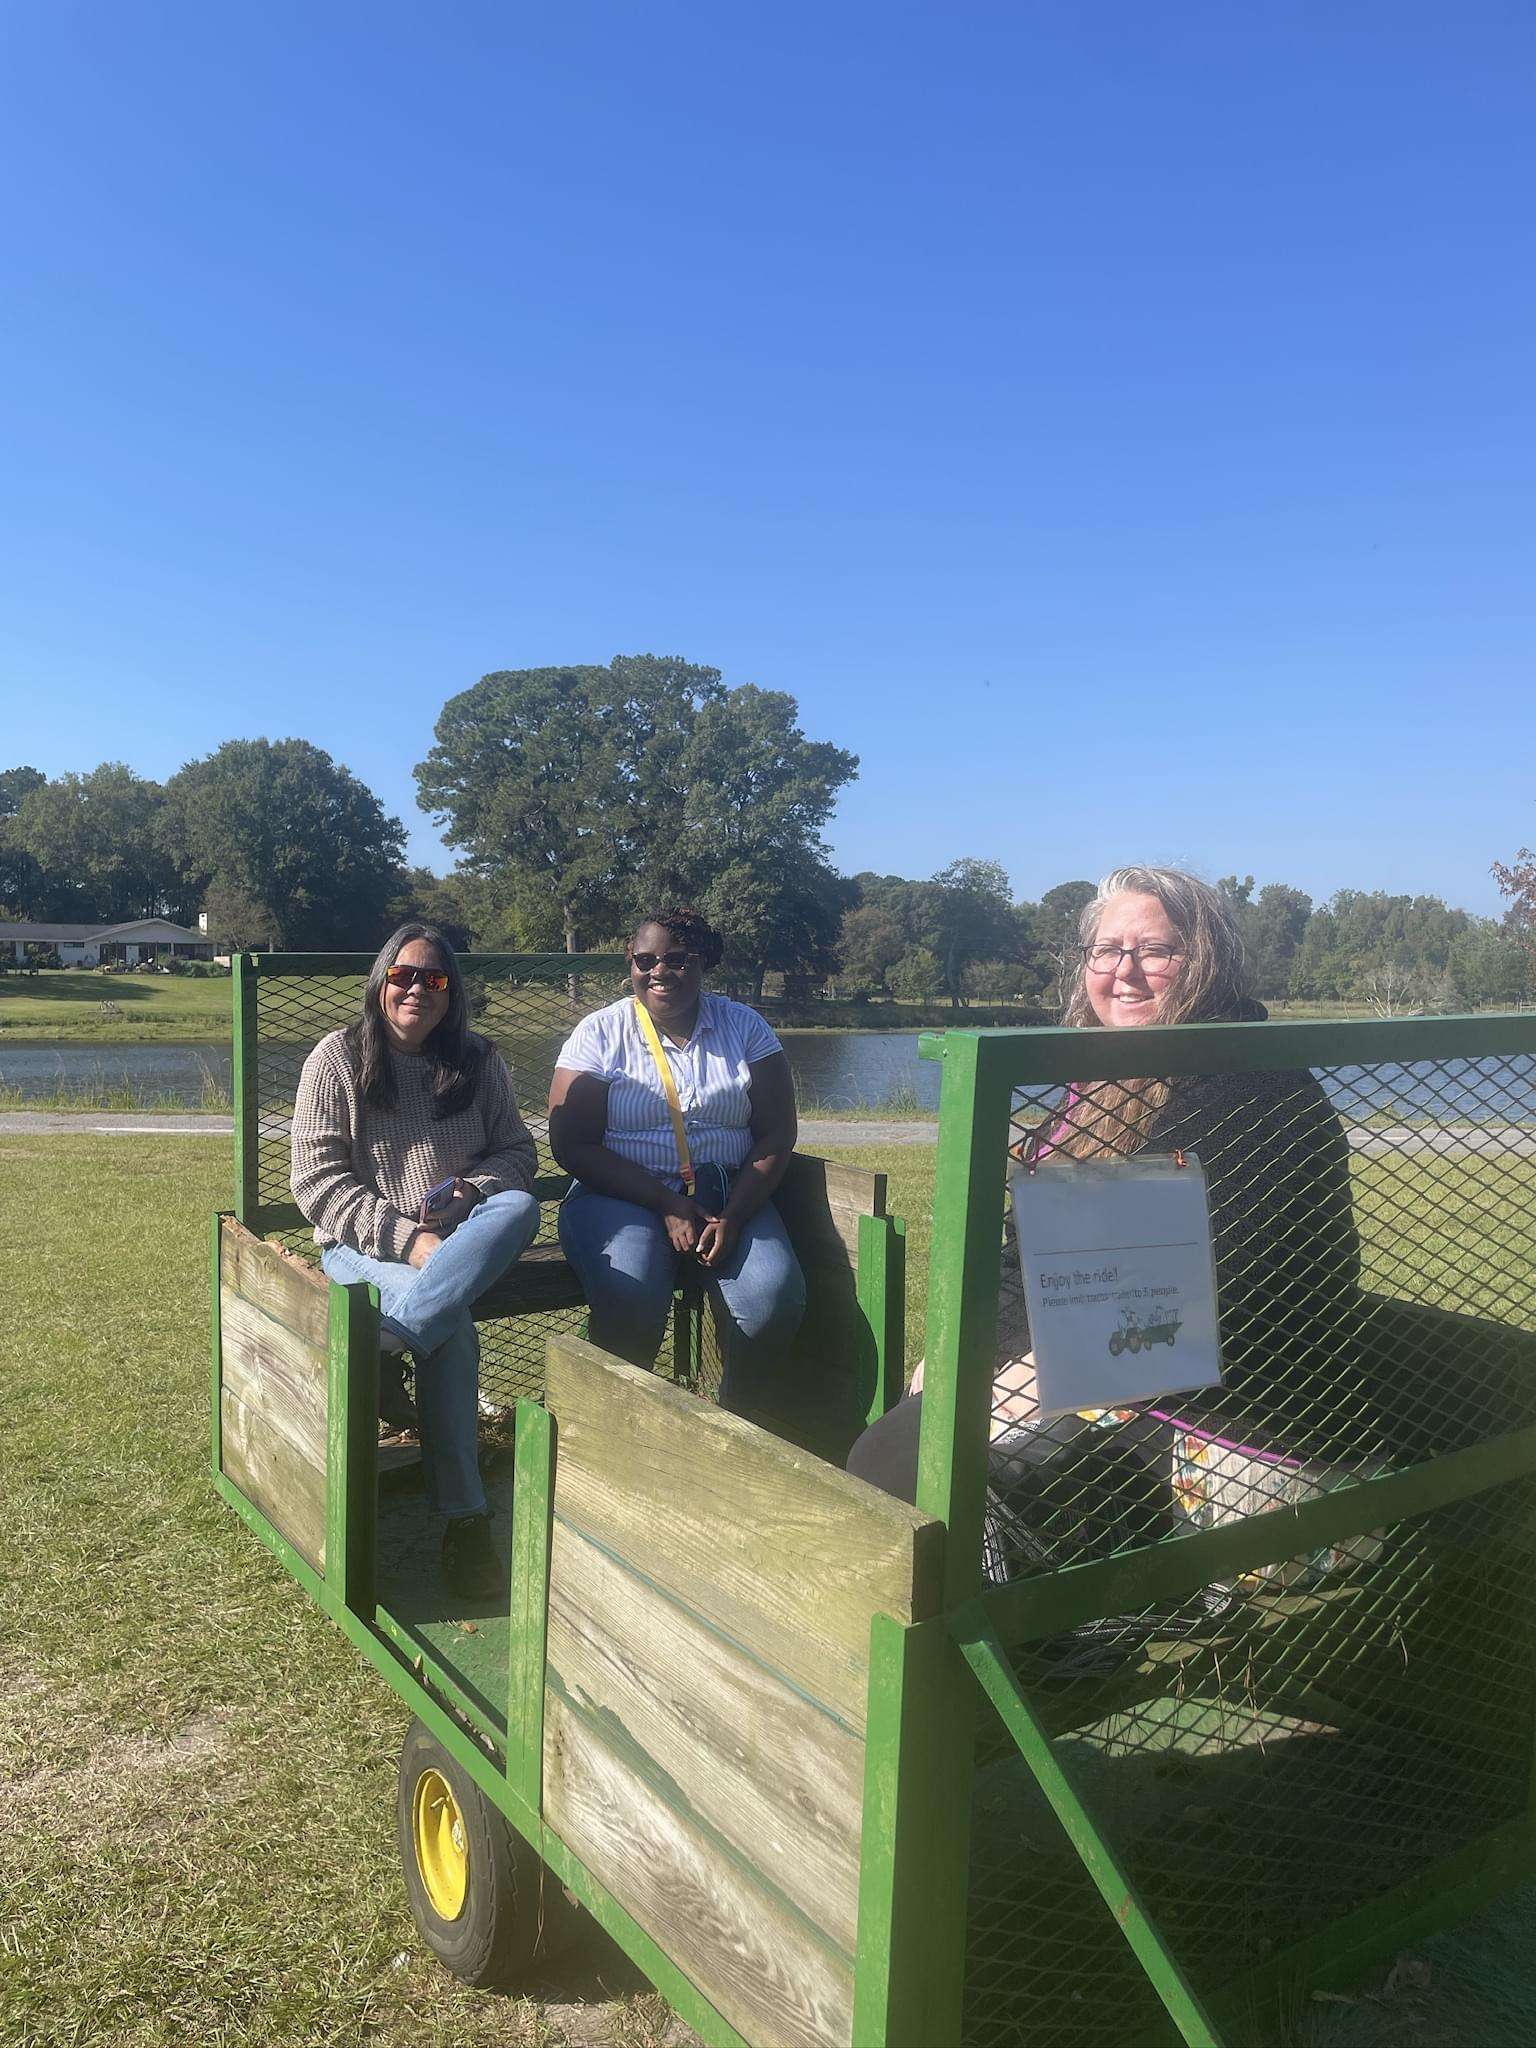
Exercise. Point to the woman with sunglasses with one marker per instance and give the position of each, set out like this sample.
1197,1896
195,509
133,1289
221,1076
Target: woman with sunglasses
414,1166
1158,946
674,1111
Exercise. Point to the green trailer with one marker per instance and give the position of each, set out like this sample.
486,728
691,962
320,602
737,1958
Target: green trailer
834,1770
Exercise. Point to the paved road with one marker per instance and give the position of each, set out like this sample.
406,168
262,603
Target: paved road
114,1123
111,1123
1504,1141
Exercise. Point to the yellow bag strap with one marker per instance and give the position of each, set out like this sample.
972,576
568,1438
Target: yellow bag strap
669,1086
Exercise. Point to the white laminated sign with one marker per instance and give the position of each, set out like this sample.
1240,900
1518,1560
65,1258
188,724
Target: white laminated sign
1119,1279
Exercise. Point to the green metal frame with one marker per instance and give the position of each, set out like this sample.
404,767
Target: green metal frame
980,1072
926,1679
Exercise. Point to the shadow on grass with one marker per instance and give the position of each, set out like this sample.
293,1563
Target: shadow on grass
82,988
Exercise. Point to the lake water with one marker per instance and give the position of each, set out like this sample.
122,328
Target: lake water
837,1069
178,1074
833,1070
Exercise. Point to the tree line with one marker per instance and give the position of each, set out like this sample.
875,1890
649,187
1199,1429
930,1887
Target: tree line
575,797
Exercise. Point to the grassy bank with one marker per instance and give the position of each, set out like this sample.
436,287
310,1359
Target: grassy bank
197,1772
112,1101
99,1091
60,1006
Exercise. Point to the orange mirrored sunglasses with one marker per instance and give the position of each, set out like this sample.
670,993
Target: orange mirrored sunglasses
405,977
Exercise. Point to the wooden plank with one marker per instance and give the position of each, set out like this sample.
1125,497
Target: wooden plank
276,1477
289,1289
834,1344
541,1280
827,1267
882,1287
788,1555
765,1968
768,1770
274,1374
844,1186
821,1201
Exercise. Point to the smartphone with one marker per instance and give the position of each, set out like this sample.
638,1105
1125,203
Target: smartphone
437,1198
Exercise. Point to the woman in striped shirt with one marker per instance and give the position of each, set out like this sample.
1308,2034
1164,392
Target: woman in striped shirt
674,1110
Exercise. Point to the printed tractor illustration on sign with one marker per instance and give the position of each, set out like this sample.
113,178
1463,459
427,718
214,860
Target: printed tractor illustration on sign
1133,1334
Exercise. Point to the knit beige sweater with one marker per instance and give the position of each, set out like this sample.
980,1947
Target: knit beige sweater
360,1172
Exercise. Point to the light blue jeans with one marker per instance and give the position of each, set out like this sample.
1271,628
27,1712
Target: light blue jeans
427,1307
628,1271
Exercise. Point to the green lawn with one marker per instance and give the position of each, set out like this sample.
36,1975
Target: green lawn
60,1005
196,1771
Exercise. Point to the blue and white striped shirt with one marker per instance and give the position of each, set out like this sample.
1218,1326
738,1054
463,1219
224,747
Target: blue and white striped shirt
714,1086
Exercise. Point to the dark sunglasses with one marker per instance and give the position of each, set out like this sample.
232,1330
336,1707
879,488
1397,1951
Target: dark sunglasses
407,977
677,961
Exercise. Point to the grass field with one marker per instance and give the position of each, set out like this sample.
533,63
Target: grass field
64,1006
197,1773
60,1006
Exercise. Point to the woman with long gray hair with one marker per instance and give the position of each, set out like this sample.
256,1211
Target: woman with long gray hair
1158,946
414,1166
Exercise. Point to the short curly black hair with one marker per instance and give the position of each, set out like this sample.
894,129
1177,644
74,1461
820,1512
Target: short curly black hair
690,929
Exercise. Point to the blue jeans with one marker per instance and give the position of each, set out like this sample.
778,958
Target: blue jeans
428,1307
628,1271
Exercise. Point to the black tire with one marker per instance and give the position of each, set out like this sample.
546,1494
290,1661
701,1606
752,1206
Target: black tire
1133,1340
1116,1344
512,1911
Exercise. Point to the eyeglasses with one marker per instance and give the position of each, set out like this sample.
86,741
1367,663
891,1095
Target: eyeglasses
677,961
1151,959
432,978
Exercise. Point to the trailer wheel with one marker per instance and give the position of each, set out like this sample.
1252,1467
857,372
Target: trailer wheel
487,1906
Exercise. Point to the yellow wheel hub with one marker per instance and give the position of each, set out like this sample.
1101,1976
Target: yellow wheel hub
442,1844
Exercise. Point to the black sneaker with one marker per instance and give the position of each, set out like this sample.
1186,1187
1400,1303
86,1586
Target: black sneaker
472,1566
395,1405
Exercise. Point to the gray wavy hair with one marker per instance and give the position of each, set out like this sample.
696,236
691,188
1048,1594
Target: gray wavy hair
1118,1117
1213,981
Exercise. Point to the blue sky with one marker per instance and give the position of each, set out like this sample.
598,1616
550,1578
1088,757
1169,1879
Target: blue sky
1114,423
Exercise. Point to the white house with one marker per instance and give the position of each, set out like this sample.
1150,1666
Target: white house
93,945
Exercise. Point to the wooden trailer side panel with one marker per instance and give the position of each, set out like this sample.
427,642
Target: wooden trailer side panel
272,1386
834,1374
711,1593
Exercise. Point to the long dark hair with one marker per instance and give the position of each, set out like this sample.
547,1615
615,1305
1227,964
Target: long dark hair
455,1051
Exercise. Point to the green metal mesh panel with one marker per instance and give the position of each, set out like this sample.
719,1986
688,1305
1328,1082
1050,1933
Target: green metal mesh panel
1259,1776
1376,1233
1274,1752
526,1007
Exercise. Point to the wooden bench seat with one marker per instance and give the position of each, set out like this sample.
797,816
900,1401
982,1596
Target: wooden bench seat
542,1279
